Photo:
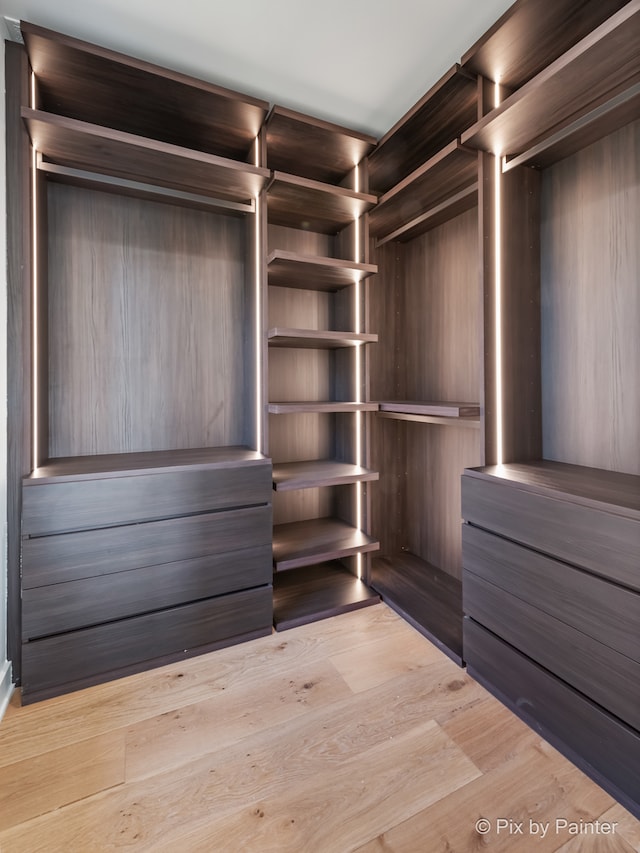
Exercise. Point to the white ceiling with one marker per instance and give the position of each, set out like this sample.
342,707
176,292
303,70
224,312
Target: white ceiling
361,63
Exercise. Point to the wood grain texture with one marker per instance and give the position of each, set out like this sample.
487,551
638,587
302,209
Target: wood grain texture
321,472
530,35
317,592
591,305
213,741
603,64
448,108
441,409
317,338
606,677
290,269
19,256
316,149
601,744
304,543
59,507
604,611
77,144
125,378
92,553
598,539
97,85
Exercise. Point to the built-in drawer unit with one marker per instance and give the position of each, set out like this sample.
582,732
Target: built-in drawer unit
551,596
130,561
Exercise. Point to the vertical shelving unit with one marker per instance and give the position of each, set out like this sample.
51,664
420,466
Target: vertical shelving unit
426,237
317,273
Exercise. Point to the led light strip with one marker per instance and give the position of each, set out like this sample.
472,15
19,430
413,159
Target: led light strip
35,419
497,225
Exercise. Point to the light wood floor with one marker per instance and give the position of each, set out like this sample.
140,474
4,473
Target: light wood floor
352,734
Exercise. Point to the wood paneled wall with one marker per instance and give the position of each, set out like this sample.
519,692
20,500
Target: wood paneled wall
591,305
144,305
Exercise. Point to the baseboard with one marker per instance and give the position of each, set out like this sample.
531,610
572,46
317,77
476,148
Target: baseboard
6,687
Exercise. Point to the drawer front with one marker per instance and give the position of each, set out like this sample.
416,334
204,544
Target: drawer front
604,675
605,744
604,611
84,504
52,609
93,654
91,553
602,542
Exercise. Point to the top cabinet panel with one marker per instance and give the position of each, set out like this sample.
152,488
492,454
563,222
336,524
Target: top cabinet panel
313,148
99,86
531,34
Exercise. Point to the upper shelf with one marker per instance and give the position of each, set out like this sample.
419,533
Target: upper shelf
443,413
531,35
315,206
599,68
452,170
448,108
99,86
112,152
290,476
318,339
320,407
311,272
312,147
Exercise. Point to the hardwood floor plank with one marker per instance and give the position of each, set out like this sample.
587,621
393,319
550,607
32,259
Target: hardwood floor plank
30,730
627,825
53,779
537,784
595,844
367,792
176,737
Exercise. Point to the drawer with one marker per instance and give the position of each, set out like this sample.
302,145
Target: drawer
52,609
599,743
604,611
73,660
594,539
55,507
91,553
600,673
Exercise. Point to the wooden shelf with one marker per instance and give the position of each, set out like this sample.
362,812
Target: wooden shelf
303,543
533,34
315,206
453,206
309,272
99,86
104,466
448,108
447,173
77,144
317,473
596,70
445,414
328,406
317,592
423,594
312,339
313,148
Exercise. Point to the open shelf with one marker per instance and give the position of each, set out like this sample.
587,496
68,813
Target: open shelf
303,543
596,70
448,108
452,414
313,339
76,144
315,206
99,86
289,476
104,466
311,272
312,147
452,170
318,406
448,209
317,592
530,35
424,595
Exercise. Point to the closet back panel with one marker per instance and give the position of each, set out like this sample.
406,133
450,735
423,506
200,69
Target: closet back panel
591,305
146,311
